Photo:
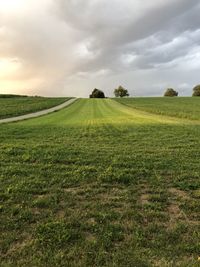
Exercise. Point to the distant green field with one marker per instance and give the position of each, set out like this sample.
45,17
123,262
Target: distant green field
100,184
15,106
182,107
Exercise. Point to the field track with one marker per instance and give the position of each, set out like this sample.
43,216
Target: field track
38,113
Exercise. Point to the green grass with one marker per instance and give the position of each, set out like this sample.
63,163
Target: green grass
100,184
182,107
15,106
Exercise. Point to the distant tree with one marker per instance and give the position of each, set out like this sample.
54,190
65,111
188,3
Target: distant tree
170,92
121,92
96,93
11,96
196,90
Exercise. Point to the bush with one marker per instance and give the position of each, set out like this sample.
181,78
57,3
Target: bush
97,94
196,90
171,92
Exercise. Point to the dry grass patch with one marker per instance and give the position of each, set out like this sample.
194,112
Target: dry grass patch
19,245
91,238
178,193
60,214
36,211
176,214
144,196
144,199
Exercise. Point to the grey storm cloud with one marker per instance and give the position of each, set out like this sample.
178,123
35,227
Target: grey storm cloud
59,47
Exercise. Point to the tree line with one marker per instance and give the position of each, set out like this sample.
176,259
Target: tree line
123,92
171,92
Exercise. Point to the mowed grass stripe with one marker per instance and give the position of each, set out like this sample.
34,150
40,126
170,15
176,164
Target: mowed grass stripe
101,111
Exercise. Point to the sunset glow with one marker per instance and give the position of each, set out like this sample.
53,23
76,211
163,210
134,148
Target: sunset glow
8,67
11,5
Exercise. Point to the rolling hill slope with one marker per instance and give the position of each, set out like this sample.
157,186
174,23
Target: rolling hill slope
181,107
100,184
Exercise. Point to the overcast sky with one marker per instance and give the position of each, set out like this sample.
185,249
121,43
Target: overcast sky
69,47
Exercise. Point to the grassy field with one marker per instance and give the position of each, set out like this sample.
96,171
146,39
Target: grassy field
15,106
182,107
100,184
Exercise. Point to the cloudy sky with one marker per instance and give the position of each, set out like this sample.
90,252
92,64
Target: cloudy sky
68,47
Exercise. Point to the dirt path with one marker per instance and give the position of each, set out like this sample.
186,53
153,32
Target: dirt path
39,113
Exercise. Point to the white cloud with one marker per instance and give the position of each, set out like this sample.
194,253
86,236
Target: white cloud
68,47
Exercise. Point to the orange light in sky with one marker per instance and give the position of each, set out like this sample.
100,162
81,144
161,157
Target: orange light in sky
8,67
11,5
